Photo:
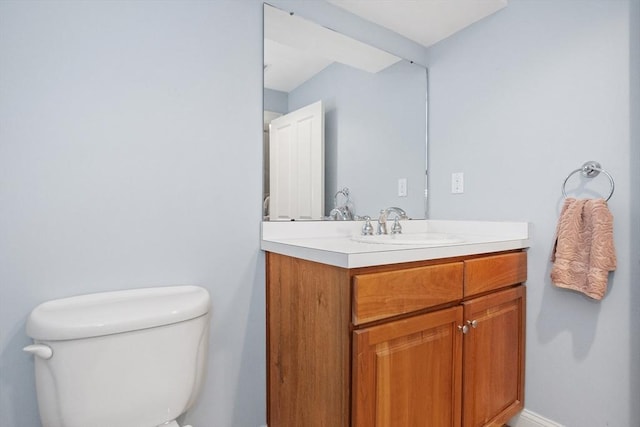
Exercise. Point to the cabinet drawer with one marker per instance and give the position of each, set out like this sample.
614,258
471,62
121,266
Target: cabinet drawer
380,295
494,272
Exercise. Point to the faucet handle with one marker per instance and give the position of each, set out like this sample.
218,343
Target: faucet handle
396,228
367,228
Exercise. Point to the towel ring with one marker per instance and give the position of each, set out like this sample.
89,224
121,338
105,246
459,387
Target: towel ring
590,169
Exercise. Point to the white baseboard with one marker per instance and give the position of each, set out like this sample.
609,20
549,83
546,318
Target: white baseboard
528,418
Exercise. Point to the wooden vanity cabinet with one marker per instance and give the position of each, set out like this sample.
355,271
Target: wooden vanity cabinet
395,345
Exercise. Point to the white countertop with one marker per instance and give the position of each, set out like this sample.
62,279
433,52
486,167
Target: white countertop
330,242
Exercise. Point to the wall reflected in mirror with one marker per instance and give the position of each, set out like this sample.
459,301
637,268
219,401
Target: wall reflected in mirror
374,125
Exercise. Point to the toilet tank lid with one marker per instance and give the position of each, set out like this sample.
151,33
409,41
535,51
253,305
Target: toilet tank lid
108,313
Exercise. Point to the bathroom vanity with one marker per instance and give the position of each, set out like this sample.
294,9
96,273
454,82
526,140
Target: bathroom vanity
389,335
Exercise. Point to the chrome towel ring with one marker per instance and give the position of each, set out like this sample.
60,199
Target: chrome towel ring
590,169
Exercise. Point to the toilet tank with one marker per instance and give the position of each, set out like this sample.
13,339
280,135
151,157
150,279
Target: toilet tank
133,358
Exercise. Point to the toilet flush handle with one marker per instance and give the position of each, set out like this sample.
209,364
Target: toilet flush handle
41,350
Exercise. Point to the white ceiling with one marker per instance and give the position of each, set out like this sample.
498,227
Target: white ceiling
296,49
423,21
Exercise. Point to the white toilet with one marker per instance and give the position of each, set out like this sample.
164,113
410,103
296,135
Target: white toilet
132,358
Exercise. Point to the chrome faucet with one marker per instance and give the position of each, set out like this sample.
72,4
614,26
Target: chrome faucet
340,214
382,220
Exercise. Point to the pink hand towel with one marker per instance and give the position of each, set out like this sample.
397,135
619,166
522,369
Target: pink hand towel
584,253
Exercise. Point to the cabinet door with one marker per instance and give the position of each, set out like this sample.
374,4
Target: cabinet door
493,379
408,372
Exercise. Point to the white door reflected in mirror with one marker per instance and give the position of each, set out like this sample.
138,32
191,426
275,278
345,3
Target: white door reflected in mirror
296,165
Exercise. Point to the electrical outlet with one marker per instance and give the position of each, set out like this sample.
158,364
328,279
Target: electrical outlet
457,183
402,187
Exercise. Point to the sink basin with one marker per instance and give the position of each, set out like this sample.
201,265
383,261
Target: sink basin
422,239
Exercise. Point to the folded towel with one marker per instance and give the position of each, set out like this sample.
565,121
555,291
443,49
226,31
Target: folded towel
584,254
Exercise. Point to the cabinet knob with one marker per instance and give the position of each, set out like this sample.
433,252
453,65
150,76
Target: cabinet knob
463,328
472,323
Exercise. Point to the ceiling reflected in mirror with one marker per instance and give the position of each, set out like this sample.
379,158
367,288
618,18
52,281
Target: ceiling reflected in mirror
296,49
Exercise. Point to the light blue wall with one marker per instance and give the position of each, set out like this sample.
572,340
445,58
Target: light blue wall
516,103
130,156
276,101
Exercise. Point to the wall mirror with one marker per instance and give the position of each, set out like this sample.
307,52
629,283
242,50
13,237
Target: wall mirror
373,125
